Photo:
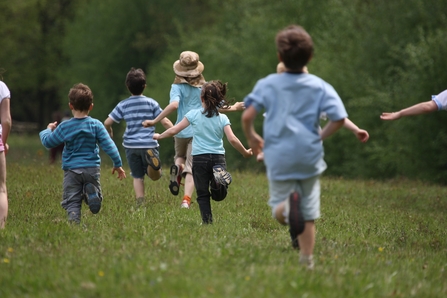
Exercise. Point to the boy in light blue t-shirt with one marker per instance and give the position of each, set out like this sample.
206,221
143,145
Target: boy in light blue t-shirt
292,140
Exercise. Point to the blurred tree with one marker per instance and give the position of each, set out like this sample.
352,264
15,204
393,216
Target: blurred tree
32,33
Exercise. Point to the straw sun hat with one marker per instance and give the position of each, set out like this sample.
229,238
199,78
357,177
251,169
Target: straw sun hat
188,65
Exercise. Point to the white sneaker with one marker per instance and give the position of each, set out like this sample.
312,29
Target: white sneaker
185,204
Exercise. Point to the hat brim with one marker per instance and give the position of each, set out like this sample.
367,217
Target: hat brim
189,73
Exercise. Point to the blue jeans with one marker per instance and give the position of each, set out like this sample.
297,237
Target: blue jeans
206,188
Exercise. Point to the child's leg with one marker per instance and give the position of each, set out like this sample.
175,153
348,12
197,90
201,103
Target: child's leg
307,239
138,186
202,169
72,197
3,191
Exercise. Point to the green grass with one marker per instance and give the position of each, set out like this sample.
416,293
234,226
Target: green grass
374,239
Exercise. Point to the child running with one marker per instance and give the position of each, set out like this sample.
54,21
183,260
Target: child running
184,97
80,158
292,143
141,149
208,154
5,128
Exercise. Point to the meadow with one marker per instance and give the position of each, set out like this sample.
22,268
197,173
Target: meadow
374,239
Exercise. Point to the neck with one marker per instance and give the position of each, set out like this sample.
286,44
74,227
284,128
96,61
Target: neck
79,114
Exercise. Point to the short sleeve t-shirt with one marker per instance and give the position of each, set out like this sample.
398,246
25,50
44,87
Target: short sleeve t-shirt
441,100
134,110
294,104
4,93
188,98
208,132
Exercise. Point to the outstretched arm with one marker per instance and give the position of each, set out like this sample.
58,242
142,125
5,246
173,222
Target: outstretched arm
330,128
254,140
236,143
238,106
173,130
166,123
417,109
361,134
173,106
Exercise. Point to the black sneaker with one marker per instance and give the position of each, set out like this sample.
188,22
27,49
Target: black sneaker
296,219
152,159
92,198
294,241
174,184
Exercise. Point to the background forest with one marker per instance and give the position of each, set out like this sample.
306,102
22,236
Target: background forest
379,55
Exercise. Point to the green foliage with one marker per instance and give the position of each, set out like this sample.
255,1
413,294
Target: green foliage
379,55
374,239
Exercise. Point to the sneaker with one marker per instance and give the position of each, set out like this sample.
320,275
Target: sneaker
92,198
296,219
152,159
221,176
140,201
294,238
307,261
185,204
176,177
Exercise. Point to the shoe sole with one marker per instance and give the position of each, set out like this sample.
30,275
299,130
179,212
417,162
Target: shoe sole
296,219
173,184
152,159
93,200
219,177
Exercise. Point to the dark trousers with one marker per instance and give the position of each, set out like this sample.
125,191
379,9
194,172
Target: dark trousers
206,188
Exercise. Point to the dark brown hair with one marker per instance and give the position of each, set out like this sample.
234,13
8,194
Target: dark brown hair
213,95
295,46
136,81
81,97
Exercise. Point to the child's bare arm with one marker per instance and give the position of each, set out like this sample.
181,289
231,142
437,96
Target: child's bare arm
166,123
254,140
238,106
361,134
236,143
173,106
108,125
330,128
417,109
173,130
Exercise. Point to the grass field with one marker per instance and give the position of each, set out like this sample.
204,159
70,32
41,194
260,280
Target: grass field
374,239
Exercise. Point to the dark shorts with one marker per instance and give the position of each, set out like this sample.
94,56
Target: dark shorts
136,158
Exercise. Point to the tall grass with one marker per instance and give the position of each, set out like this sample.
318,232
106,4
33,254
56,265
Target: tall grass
374,239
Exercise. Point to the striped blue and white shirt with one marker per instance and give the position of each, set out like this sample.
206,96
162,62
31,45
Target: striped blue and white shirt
134,110
81,137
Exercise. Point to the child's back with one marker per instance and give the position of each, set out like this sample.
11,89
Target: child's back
293,104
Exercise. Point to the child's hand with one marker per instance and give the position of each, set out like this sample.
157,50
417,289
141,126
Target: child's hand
121,172
6,148
390,116
362,135
148,123
239,106
52,126
248,153
156,136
